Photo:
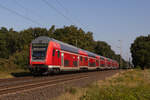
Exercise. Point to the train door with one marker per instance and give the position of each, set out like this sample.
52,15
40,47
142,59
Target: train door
59,57
81,61
62,59
78,62
53,58
97,63
100,63
88,62
75,60
56,57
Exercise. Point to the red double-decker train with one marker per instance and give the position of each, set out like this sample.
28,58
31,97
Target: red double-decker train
50,55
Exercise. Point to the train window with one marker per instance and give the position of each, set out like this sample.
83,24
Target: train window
58,53
96,61
102,65
83,59
102,58
39,51
75,63
53,52
66,63
86,59
80,58
90,64
94,64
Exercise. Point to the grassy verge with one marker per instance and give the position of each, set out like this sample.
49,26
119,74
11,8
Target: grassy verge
13,73
13,67
129,85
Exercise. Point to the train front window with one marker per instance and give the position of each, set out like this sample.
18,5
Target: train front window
39,51
38,54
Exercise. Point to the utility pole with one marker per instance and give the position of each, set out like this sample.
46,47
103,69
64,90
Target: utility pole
76,43
129,62
127,59
120,52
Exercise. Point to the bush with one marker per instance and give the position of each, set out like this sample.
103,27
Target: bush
7,65
21,59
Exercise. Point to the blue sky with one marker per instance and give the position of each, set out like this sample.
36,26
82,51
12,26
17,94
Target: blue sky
109,20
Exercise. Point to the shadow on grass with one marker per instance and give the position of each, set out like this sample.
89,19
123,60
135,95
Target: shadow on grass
21,74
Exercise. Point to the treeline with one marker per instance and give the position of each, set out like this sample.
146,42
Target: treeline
140,50
14,46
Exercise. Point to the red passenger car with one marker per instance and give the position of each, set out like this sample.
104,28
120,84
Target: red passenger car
50,55
102,63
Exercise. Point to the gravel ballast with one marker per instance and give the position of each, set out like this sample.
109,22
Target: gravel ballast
52,91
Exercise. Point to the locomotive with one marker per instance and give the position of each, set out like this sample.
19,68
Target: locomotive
48,55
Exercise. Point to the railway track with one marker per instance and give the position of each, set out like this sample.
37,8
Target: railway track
22,80
34,80
23,86
42,82
27,87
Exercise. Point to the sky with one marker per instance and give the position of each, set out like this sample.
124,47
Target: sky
109,20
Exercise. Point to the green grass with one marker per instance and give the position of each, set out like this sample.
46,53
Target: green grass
133,85
13,73
71,90
127,85
8,69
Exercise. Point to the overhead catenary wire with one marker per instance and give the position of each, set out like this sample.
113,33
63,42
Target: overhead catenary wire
20,15
67,11
59,12
20,5
27,9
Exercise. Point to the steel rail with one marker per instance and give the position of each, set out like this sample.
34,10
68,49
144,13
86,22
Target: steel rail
31,80
28,87
41,83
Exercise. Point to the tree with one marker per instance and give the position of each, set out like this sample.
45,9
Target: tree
74,36
140,52
104,49
3,43
14,46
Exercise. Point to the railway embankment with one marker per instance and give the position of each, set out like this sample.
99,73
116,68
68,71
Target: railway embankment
133,84
45,88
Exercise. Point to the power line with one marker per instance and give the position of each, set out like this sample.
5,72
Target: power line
21,6
120,52
20,15
67,11
59,12
62,6
25,8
